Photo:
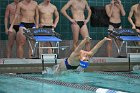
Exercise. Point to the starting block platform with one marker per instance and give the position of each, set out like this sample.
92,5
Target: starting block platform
46,39
125,36
39,35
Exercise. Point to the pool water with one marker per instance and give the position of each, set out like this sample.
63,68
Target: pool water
20,85
119,81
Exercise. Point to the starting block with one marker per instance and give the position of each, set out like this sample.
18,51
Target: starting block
39,35
125,36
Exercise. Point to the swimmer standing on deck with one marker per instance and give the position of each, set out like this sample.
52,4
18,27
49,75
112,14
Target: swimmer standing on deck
78,20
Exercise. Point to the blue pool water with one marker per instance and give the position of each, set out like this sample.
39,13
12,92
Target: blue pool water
67,82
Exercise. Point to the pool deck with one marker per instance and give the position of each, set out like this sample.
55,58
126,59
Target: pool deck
14,65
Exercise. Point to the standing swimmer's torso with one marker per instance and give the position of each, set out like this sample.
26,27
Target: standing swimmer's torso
77,10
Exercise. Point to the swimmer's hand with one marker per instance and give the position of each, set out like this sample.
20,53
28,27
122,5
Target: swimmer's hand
37,25
54,26
119,1
133,27
88,38
107,39
138,32
10,29
112,2
73,21
86,21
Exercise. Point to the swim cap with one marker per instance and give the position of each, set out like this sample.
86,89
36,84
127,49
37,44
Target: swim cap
84,64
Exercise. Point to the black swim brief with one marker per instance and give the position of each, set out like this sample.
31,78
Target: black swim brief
47,26
27,25
16,27
137,27
80,23
69,67
115,25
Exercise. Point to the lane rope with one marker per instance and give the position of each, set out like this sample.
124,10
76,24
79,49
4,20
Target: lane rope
66,84
121,74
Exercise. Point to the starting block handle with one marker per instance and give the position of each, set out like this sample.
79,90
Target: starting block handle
43,66
52,56
55,59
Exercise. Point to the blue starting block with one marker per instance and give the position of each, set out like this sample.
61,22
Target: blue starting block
125,35
46,39
42,35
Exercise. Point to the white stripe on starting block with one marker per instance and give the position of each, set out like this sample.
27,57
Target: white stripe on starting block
48,57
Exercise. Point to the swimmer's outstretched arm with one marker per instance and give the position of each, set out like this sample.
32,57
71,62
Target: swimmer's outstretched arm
97,46
82,44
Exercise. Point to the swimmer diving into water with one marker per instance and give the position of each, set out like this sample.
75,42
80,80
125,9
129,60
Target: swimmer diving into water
79,57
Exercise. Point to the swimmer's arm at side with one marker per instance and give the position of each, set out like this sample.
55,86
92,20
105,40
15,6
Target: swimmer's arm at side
63,10
89,11
130,17
16,15
7,12
37,17
56,17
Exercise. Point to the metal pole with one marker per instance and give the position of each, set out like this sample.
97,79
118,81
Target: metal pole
55,59
42,63
129,63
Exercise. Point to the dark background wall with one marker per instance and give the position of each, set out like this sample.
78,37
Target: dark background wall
63,27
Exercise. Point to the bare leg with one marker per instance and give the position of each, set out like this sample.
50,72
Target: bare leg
138,32
138,42
75,31
50,49
21,39
48,44
17,44
40,50
30,50
109,47
11,39
118,41
84,33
